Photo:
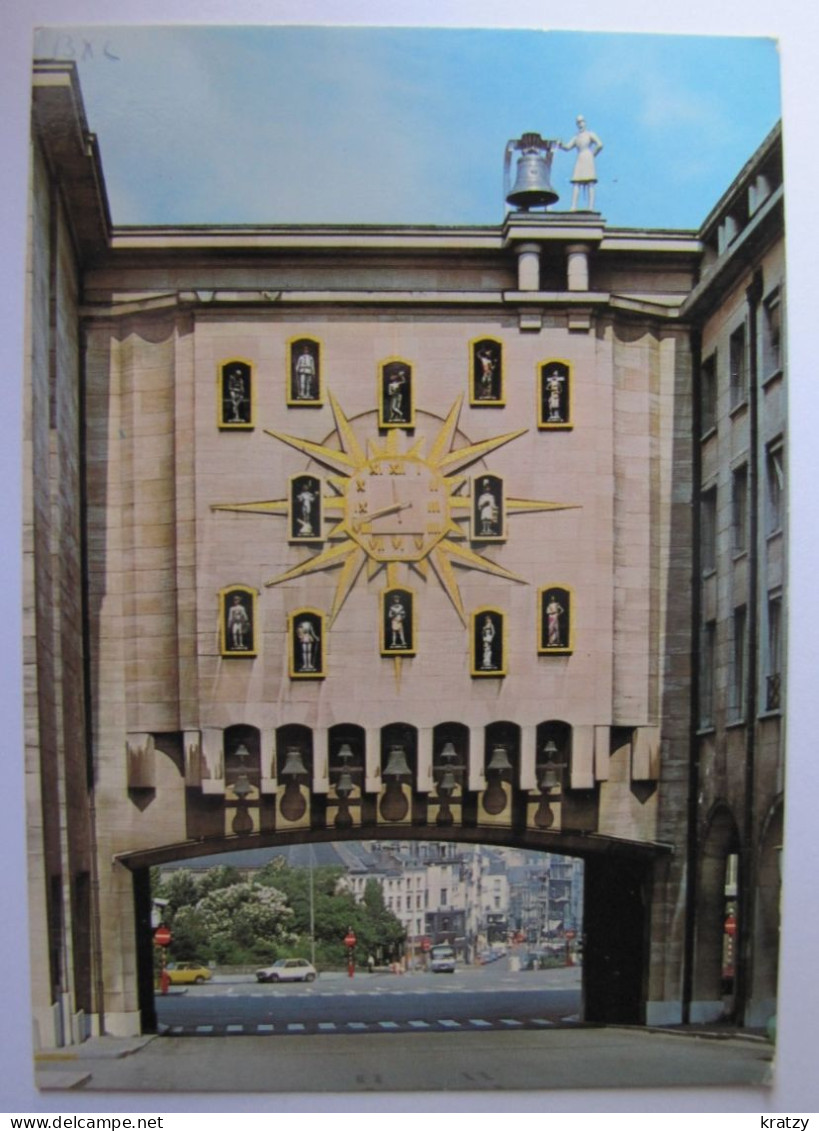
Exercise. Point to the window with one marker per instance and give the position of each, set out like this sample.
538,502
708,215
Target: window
773,659
739,664
739,509
444,897
708,639
771,335
708,531
775,478
708,395
739,367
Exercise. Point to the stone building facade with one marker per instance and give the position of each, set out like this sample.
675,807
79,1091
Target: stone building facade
377,532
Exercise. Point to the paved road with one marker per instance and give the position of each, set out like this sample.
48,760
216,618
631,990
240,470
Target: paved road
466,1001
525,1060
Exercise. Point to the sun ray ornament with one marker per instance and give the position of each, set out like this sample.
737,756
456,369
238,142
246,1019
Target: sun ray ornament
389,505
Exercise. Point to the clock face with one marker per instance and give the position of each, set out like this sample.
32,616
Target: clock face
397,508
391,503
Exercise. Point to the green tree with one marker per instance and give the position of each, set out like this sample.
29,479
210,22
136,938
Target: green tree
222,876
190,938
245,922
180,888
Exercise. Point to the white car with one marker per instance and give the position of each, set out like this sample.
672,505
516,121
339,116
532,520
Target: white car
288,970
442,960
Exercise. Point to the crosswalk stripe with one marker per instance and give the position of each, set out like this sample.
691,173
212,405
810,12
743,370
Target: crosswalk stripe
450,1024
295,1028
234,1028
265,1028
204,1028
419,1024
327,1024
510,1021
541,1021
480,1023
356,1025
388,1024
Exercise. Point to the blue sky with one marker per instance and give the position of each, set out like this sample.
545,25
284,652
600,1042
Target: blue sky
409,125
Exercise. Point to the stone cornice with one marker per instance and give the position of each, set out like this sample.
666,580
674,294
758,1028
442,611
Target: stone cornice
70,150
227,301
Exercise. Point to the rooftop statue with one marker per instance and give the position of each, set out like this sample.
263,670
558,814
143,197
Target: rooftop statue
588,145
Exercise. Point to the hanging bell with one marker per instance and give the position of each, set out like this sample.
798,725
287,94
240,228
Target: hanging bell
448,782
344,786
499,760
449,753
397,764
293,763
532,187
345,753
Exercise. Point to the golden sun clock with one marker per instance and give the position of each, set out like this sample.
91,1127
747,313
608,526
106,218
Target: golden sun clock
398,504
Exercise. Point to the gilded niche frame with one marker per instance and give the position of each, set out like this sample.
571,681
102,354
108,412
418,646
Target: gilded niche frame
486,373
305,380
235,394
555,392
306,648
555,620
237,622
488,643
395,393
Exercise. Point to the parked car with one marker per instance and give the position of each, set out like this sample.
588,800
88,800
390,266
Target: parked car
288,970
442,960
188,973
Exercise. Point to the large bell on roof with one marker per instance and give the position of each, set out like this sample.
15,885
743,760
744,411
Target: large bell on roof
532,187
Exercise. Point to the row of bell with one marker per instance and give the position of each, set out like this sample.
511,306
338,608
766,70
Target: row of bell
398,767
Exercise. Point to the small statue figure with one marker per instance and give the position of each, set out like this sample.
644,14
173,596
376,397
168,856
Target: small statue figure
395,393
488,510
305,374
238,625
308,641
554,388
554,611
486,381
397,614
487,638
306,498
236,393
588,145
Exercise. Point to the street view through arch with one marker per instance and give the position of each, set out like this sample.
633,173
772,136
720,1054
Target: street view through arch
367,936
